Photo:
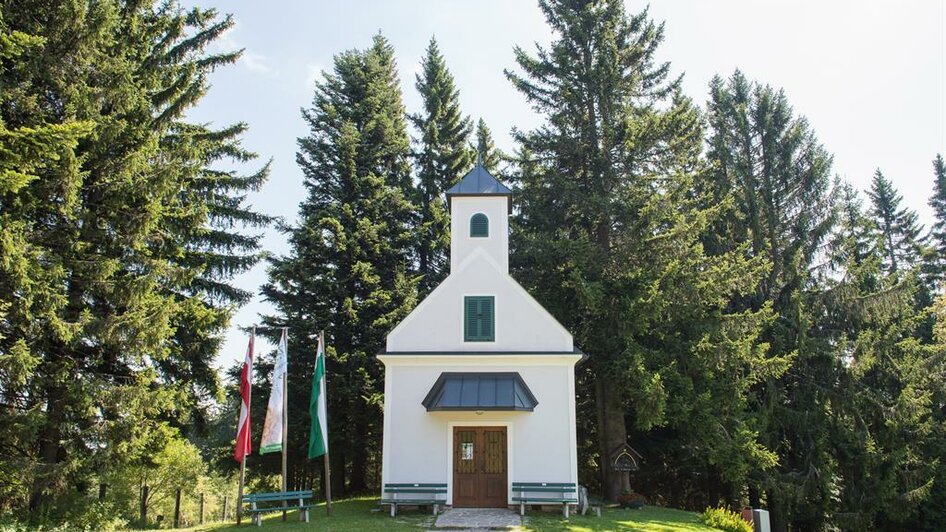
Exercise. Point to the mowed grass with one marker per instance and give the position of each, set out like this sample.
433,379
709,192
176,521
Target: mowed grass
358,515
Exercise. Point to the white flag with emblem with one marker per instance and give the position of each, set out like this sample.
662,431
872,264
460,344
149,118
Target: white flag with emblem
272,427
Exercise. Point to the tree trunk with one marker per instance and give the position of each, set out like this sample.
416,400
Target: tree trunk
359,466
612,432
338,469
776,516
177,508
49,452
754,497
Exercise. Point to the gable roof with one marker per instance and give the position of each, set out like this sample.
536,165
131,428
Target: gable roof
479,182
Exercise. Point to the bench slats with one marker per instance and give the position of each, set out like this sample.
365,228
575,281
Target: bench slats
277,509
277,496
414,493
555,499
566,494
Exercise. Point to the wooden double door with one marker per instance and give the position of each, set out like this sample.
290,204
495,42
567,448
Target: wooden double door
479,467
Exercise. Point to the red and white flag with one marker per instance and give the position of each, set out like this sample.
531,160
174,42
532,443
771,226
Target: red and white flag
243,444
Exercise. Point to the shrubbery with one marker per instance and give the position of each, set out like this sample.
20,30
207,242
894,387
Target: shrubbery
724,519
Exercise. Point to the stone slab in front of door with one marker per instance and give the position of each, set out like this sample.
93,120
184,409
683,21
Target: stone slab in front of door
478,518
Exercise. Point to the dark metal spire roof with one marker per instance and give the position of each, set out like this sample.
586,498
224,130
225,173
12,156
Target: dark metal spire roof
479,182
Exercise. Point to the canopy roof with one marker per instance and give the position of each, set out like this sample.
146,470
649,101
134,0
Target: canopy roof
479,391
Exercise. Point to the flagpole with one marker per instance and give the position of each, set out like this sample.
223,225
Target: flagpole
285,420
328,470
239,501
240,490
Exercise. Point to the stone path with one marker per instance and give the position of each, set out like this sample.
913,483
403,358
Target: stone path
478,518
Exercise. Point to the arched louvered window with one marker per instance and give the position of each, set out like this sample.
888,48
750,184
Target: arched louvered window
479,225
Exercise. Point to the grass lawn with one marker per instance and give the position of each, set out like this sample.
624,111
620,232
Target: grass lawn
356,515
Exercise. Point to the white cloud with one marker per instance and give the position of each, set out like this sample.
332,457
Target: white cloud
256,62
252,61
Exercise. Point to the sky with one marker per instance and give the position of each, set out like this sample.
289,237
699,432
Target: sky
869,76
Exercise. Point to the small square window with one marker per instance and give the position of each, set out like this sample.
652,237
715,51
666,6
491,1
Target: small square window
466,451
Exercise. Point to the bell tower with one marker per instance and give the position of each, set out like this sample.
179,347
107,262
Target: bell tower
479,218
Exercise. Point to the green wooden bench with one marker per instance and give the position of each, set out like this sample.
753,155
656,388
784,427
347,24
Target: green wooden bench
564,493
414,494
294,500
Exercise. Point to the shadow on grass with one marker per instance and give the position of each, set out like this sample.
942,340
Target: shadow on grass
364,515
647,519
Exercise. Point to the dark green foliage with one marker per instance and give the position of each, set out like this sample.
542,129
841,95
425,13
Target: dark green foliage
348,268
771,163
855,241
608,238
852,420
936,255
898,227
442,158
119,238
487,152
881,427
779,176
903,250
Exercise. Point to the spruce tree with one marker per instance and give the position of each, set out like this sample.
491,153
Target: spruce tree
607,237
486,149
882,436
855,240
779,177
937,235
348,269
442,158
213,241
898,227
111,231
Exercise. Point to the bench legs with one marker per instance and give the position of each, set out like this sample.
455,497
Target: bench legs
565,510
393,509
257,517
522,508
435,509
303,512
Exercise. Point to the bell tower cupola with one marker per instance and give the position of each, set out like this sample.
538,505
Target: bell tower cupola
479,218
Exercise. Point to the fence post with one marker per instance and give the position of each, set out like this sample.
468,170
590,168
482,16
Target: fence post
225,501
201,508
177,509
144,504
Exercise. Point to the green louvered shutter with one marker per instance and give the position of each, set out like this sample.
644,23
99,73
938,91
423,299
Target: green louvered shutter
470,324
479,225
479,321
487,319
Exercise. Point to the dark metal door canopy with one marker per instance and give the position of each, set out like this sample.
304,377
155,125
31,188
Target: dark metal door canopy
480,391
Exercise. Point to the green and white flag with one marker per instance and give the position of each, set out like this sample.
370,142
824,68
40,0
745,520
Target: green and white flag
318,435
273,426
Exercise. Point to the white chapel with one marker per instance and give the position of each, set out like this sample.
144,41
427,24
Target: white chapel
479,386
